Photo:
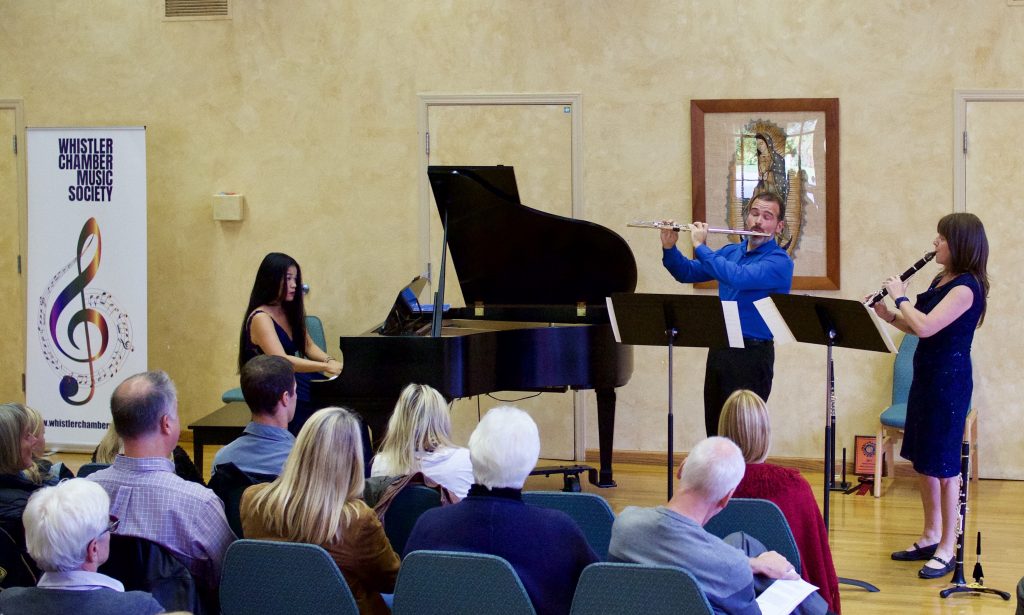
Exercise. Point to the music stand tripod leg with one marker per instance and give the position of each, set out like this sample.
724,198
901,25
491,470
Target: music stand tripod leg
671,335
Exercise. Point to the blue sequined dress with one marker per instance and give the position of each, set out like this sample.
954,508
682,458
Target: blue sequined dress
940,393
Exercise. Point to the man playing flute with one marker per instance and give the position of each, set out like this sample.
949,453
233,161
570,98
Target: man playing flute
746,271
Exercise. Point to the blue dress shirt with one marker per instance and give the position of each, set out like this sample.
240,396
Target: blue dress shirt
261,449
743,277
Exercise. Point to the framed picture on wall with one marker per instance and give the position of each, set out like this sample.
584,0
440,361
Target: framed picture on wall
786,145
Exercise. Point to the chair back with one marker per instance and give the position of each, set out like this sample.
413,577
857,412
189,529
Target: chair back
229,483
456,583
411,502
638,588
231,395
315,329
903,369
263,576
590,511
760,519
143,565
89,468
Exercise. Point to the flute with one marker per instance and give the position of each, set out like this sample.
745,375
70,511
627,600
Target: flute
687,227
903,277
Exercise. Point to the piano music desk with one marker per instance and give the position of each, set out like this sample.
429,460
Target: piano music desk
219,427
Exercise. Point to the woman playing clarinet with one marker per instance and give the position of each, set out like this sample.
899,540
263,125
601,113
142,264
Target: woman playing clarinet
944,317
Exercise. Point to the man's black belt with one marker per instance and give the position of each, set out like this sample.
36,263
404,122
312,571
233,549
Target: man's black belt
753,341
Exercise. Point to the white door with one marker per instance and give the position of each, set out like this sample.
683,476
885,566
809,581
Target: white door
535,139
993,192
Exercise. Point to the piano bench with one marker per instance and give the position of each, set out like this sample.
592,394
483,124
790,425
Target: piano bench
570,475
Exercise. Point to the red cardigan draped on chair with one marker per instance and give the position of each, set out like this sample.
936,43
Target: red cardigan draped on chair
792,494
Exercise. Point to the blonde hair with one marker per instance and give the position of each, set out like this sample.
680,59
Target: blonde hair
744,420
420,422
110,446
14,423
35,425
318,493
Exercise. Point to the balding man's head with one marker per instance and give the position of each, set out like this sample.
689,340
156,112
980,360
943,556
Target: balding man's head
139,403
712,469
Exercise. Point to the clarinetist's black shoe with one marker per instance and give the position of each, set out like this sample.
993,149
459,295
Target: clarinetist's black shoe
916,554
933,573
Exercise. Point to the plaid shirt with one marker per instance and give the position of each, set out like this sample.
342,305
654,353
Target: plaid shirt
186,518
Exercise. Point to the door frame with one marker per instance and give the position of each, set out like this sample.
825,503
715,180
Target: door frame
961,98
573,100
18,106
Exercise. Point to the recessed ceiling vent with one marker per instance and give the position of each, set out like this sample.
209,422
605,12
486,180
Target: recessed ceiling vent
190,10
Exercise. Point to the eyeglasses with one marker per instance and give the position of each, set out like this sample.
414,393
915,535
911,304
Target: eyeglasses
112,526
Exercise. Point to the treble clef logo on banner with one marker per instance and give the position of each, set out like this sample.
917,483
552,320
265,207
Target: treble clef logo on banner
81,318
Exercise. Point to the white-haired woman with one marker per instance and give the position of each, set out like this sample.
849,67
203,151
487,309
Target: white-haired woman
317,500
545,547
419,440
67,528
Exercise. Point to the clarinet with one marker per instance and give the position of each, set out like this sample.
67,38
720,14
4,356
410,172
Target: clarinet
961,523
903,277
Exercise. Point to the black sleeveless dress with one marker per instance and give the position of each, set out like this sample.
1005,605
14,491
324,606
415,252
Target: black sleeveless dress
304,408
940,393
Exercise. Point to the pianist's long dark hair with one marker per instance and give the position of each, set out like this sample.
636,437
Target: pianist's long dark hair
269,289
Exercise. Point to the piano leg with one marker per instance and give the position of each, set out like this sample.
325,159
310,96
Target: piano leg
605,434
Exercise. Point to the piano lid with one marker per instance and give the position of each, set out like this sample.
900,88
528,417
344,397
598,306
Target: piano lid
506,253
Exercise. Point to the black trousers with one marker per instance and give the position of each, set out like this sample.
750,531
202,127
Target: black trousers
731,369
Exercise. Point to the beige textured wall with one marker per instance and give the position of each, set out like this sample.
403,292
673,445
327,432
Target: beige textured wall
309,109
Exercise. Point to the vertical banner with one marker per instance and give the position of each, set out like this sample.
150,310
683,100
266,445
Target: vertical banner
86,275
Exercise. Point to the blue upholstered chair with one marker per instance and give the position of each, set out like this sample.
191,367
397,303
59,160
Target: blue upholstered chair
89,468
893,419
760,519
590,511
411,502
456,583
606,588
262,576
315,328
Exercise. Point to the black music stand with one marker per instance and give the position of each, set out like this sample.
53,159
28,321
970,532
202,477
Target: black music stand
696,321
827,322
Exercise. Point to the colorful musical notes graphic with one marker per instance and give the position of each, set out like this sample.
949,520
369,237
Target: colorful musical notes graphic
84,317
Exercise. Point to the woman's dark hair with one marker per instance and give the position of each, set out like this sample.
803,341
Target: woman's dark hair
968,250
269,288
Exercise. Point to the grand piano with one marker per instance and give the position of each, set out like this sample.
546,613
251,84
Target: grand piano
535,317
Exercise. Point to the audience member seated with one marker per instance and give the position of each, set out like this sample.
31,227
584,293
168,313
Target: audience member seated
16,443
68,531
1020,596
731,572
316,500
545,547
42,471
419,440
146,495
745,421
111,446
268,386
